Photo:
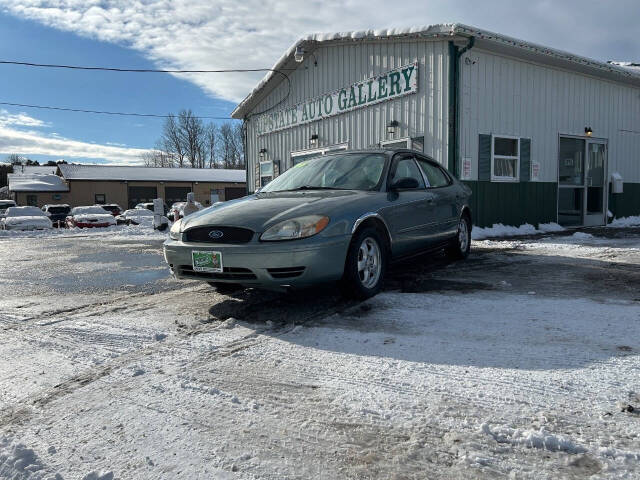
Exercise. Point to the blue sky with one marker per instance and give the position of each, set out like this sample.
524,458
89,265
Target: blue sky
219,34
25,40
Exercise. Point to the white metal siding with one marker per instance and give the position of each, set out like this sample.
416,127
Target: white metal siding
424,113
502,95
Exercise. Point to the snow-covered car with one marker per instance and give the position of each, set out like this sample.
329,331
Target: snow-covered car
140,216
114,208
179,207
149,206
25,218
57,213
4,204
90,217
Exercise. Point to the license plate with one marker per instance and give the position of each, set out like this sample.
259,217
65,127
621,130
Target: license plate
206,261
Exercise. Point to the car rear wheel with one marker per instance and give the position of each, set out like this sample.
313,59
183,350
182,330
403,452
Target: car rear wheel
461,245
366,264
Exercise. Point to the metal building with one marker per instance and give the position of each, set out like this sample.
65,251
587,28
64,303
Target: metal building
540,135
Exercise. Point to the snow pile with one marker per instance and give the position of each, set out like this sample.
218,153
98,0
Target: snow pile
115,231
500,230
582,236
626,222
17,462
540,439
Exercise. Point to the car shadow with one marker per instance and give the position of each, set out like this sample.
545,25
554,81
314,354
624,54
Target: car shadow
497,309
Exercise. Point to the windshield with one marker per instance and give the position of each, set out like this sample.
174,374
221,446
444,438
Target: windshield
58,210
6,204
25,212
89,211
347,171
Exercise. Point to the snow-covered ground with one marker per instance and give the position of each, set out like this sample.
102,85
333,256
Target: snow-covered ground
520,362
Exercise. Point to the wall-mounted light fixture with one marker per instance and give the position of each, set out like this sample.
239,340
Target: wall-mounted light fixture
391,127
588,131
313,141
262,153
299,54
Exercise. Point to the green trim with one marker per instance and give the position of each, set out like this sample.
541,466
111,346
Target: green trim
626,204
513,203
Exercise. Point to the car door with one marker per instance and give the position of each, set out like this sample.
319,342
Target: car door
410,211
444,198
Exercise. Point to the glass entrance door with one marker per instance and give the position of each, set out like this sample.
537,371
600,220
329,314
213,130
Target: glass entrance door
581,182
595,183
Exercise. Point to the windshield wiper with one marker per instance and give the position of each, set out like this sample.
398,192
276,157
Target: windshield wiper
309,187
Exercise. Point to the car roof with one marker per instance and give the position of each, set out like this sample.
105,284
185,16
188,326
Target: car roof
387,151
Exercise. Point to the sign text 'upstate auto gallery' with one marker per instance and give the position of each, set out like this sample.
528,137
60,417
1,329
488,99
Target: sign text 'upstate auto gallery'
394,83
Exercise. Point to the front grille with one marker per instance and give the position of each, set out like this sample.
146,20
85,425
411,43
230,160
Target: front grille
229,235
228,273
287,272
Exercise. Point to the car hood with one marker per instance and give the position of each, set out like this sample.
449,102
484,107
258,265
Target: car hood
262,210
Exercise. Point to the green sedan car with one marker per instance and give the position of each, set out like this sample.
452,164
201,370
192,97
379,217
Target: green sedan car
335,218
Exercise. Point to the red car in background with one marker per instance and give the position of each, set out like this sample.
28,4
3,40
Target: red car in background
90,217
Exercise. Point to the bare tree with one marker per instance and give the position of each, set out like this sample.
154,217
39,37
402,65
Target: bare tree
14,159
157,158
172,140
192,136
211,140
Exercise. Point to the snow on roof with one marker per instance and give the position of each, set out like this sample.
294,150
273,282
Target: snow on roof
151,174
31,169
444,30
633,66
34,182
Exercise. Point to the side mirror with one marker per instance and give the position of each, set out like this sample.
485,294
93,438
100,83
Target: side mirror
405,183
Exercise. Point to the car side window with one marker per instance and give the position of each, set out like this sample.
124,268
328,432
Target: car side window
435,175
406,168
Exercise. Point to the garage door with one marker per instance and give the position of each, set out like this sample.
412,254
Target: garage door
141,194
175,194
234,192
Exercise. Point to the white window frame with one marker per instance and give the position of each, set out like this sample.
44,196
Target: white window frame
263,176
495,178
320,151
404,139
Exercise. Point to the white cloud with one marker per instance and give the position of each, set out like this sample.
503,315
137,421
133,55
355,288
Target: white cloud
35,143
206,34
20,120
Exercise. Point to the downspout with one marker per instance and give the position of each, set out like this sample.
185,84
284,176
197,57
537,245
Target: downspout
245,145
454,104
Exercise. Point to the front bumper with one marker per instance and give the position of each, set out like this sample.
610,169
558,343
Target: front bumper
270,265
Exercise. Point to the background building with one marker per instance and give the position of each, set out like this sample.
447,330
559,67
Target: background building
537,133
90,184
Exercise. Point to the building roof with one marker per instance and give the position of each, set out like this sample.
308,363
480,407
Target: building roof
19,182
150,174
450,31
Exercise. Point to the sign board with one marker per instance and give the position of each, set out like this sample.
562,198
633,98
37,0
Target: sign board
387,86
466,168
535,171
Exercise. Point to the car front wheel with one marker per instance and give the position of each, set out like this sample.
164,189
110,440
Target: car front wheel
366,264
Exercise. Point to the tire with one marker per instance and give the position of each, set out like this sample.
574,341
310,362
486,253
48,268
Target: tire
225,288
461,244
363,278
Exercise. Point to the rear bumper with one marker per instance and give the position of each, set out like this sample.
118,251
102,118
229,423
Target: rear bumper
274,265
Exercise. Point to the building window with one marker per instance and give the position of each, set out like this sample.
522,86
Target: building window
100,198
301,156
32,200
266,173
505,159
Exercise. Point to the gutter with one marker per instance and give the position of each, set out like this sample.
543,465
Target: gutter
455,55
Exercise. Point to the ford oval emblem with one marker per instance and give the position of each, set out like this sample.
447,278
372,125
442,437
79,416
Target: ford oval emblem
216,234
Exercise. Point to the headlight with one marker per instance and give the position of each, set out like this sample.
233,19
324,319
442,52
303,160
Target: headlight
174,233
301,227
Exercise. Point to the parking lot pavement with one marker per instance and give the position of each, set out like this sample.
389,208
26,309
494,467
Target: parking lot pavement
520,361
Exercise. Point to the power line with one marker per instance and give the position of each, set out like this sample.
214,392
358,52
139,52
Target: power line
126,114
136,70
